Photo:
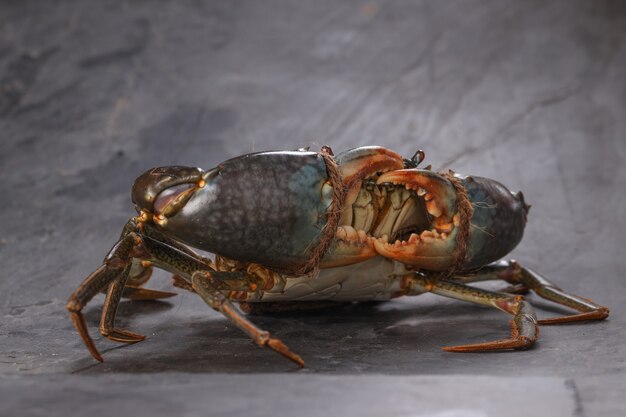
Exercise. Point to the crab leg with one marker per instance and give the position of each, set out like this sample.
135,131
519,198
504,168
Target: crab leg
113,273
210,284
141,270
133,292
116,265
140,244
140,273
524,324
207,285
512,272
107,323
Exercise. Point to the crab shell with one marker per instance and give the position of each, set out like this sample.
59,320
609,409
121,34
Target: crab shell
270,208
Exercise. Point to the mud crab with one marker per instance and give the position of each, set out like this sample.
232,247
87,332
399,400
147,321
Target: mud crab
308,227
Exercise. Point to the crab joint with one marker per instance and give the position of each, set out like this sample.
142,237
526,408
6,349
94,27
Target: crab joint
143,216
160,219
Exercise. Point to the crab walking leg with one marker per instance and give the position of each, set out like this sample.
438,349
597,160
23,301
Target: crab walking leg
107,323
171,259
140,273
546,289
206,284
114,272
132,292
118,288
490,272
512,272
209,284
141,270
524,324
116,265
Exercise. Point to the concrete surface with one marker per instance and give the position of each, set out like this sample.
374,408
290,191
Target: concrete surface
301,395
91,94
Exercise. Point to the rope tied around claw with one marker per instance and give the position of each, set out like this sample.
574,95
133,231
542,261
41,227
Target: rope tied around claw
333,213
465,211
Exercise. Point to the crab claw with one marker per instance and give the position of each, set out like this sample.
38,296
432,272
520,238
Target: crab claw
349,246
431,249
362,162
164,190
437,191
357,164
427,250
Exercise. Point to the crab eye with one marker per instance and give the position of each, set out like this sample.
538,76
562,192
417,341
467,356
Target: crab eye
173,198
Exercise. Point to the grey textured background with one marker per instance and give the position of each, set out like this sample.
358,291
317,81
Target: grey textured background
531,93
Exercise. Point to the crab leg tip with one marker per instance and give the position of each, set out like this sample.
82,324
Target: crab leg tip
278,346
599,314
519,343
79,323
124,336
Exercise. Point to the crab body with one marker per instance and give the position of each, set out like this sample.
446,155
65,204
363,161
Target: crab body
298,226
269,208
